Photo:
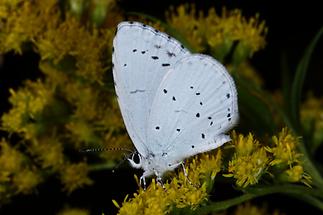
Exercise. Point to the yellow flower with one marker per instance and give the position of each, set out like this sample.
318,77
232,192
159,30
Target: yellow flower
23,20
297,174
249,161
183,19
219,32
284,148
70,40
25,180
11,160
231,27
179,192
74,176
27,103
14,171
287,159
49,151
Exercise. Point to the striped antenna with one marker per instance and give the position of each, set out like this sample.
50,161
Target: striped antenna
87,150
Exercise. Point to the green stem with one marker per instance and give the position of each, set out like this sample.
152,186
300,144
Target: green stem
307,194
310,167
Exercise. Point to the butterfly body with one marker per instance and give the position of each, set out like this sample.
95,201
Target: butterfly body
174,104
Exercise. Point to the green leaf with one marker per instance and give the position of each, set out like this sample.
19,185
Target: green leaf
286,80
298,82
309,195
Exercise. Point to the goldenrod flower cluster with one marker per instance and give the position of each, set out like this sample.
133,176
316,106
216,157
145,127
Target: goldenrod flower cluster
287,159
14,170
181,192
64,109
219,32
249,161
280,159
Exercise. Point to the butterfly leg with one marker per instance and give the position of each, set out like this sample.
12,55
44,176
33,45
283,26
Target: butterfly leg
160,182
159,179
143,180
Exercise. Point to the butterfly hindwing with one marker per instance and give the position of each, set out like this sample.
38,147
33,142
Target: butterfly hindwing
194,106
141,58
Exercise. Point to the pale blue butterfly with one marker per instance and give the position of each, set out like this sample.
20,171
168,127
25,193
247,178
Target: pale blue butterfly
174,104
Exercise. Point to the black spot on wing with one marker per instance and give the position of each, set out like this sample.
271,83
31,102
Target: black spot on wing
170,54
155,57
137,91
165,64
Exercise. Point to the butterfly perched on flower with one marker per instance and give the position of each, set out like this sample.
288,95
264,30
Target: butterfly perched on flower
174,104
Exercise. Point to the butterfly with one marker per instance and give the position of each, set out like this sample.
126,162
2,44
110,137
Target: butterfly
174,104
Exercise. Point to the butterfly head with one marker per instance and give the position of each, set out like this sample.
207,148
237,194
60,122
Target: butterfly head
156,164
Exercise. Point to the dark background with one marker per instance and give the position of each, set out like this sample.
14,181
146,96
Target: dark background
291,25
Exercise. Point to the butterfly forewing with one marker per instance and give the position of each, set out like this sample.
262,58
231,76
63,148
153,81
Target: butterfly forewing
141,58
194,106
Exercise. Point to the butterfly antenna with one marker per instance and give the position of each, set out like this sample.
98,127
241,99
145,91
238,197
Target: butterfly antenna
87,150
